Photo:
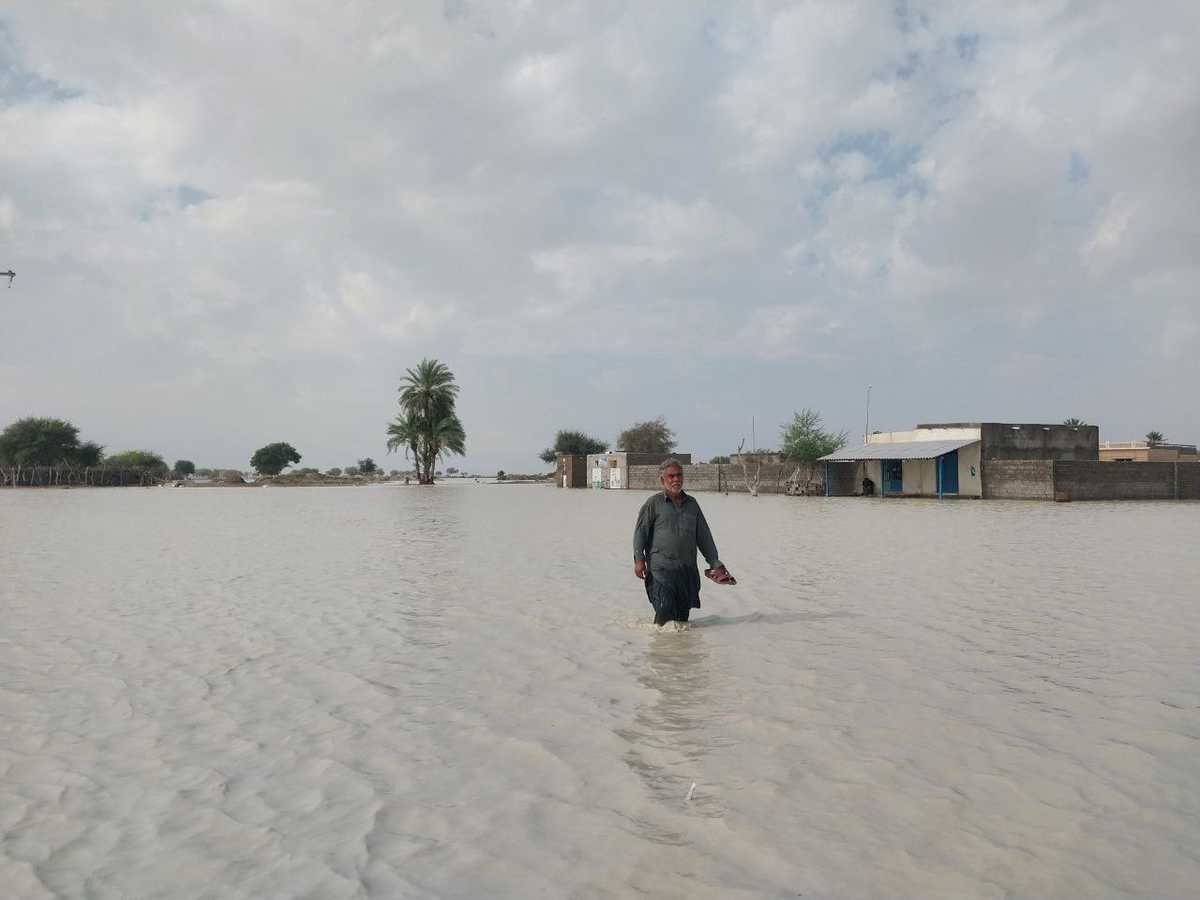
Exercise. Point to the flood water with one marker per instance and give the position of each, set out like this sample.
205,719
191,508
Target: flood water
455,692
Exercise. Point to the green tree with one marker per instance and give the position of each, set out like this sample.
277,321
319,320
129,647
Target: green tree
37,441
274,458
185,467
805,440
335,472
1154,438
500,476
647,437
351,471
1074,421
138,459
573,442
427,426
89,454
721,460
367,466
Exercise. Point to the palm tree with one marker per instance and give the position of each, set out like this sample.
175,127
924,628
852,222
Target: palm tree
427,426
405,432
1154,438
1074,421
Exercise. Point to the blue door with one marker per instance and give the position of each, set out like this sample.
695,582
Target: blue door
948,467
893,476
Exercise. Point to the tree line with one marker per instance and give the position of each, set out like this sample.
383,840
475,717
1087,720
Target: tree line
803,439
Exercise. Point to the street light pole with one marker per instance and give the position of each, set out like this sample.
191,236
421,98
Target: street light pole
10,274
867,427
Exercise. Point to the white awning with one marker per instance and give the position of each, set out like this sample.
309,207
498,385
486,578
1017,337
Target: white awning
898,450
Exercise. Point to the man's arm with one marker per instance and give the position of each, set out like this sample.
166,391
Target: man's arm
704,541
642,533
641,538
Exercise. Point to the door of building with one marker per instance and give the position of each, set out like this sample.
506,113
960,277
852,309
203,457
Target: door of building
948,470
893,476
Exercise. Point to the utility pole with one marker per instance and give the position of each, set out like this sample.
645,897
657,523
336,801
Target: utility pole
867,428
10,274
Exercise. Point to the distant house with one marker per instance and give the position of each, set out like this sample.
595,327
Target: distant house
1142,451
952,459
610,470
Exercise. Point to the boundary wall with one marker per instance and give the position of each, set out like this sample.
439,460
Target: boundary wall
718,477
1043,479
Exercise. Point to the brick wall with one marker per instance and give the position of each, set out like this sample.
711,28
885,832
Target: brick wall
711,477
1019,479
1115,480
1189,480
844,479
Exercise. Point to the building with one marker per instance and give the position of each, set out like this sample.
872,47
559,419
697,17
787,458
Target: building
571,470
611,470
951,459
1142,451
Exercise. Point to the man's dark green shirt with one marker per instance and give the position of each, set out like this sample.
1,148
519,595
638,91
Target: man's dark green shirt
668,536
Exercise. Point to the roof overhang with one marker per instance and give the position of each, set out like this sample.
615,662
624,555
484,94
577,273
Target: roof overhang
898,450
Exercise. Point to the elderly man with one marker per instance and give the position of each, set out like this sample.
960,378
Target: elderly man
670,529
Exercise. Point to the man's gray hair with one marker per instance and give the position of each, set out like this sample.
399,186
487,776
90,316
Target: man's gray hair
668,463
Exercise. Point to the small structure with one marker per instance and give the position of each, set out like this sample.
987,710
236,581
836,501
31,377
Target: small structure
610,470
952,459
1144,451
571,470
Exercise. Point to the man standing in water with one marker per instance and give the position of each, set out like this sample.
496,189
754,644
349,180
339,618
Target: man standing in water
670,529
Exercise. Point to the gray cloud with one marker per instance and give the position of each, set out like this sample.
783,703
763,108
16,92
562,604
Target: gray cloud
240,224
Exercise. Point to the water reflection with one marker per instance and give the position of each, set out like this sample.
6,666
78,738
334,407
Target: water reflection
669,736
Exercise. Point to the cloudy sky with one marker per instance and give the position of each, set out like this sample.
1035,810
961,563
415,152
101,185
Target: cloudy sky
239,222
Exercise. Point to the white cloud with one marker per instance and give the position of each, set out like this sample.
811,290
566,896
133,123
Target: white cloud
812,188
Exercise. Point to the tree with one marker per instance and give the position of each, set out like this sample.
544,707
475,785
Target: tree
335,472
367,466
1074,421
1154,438
575,443
40,442
450,470
720,460
647,437
185,467
805,441
500,476
427,427
274,458
351,471
89,455
138,459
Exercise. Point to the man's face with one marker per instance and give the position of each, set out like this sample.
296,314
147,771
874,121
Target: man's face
672,481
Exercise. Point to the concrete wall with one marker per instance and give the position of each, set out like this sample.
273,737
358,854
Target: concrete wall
970,471
1115,480
1188,479
1041,479
845,479
714,477
1019,479
1003,441
926,433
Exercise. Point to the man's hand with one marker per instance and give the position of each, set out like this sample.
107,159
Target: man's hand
639,568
